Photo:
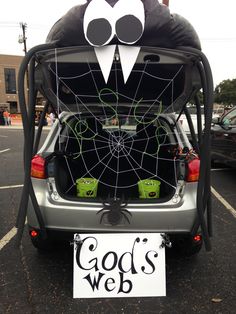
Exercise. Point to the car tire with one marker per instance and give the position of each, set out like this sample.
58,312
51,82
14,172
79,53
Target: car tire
184,245
214,164
43,245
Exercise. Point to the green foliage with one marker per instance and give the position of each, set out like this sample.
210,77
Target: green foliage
225,93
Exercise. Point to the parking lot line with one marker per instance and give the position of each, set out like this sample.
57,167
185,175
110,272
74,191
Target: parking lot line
224,202
5,150
7,238
221,169
11,187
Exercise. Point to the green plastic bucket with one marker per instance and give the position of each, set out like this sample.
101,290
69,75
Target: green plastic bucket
87,187
149,188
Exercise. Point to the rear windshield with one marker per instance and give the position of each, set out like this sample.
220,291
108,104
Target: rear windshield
108,130
78,81
147,84
117,153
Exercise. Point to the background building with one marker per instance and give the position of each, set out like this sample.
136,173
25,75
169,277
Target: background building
9,67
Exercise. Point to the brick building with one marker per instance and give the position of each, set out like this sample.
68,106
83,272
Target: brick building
9,67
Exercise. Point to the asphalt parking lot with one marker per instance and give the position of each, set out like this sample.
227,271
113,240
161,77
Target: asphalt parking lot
42,283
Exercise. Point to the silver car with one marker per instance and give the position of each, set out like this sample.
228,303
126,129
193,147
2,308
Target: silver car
116,159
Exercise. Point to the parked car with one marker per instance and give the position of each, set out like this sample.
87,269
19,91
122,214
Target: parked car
223,138
116,159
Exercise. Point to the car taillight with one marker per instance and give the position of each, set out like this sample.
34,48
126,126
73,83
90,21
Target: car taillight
34,234
193,170
197,238
38,167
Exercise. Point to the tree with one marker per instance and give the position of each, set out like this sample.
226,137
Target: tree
225,93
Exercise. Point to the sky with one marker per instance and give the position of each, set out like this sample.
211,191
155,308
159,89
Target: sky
214,21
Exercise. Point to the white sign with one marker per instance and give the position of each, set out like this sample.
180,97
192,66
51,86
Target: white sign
119,265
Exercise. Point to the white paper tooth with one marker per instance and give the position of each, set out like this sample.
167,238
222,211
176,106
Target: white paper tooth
105,56
128,57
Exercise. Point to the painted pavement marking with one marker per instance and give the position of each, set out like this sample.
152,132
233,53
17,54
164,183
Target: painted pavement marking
5,150
7,238
221,169
11,187
224,202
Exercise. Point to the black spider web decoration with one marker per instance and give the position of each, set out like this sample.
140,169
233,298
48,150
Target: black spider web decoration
114,150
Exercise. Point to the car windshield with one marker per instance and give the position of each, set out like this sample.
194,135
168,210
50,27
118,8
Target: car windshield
230,118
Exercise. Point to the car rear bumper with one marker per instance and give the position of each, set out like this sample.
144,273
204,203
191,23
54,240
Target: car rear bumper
175,216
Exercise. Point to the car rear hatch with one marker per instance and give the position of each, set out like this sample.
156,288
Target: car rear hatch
118,147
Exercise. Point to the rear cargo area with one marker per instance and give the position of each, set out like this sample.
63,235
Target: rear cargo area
100,158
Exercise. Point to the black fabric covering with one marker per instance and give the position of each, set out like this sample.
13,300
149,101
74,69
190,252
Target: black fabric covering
162,29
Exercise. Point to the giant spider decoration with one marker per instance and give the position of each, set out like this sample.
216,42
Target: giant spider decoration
114,209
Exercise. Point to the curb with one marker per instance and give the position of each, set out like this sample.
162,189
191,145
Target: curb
20,127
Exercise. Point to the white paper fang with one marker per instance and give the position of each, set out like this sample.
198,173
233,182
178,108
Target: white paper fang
105,56
128,57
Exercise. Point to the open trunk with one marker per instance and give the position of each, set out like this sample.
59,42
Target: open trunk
117,129
118,154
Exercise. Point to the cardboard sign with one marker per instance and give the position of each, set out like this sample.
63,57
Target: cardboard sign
119,265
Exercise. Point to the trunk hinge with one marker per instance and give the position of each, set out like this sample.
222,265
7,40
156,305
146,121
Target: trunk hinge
76,241
165,241
179,191
52,189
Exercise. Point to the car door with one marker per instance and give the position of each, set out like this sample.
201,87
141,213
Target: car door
223,138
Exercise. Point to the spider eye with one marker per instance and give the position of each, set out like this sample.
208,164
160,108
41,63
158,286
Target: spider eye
130,20
98,23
